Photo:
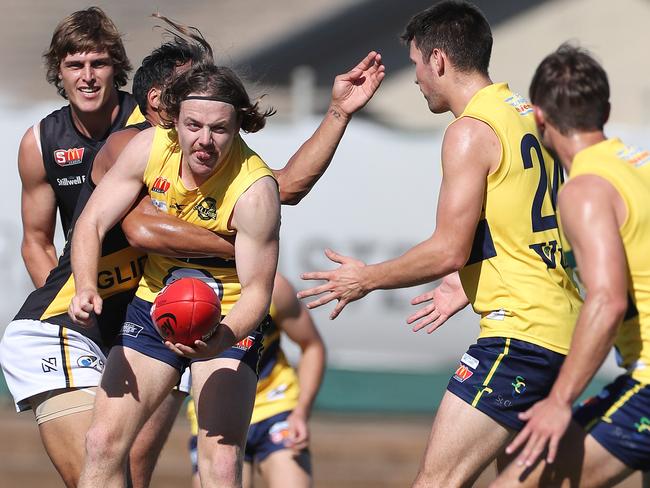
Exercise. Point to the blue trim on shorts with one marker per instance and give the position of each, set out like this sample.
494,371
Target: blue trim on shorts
618,418
139,333
502,377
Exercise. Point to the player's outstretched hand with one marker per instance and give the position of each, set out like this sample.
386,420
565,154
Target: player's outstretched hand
83,304
446,299
352,90
343,284
546,423
298,431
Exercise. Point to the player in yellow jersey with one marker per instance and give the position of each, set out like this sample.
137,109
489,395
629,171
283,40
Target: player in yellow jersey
87,63
495,224
199,169
278,438
605,211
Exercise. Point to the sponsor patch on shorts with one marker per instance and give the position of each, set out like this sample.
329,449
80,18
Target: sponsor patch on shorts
279,432
130,329
462,373
470,361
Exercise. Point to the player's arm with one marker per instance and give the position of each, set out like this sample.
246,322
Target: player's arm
38,211
470,150
150,230
256,218
295,321
592,212
350,92
111,200
442,303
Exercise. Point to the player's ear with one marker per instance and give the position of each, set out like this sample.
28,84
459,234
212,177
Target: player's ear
438,61
609,108
153,98
540,118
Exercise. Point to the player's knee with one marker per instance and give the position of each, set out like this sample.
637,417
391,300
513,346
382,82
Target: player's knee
102,445
222,466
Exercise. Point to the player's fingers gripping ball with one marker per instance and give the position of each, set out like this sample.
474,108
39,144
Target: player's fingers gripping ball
186,310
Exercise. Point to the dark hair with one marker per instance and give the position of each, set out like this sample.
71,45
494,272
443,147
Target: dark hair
459,29
572,90
83,31
212,81
187,45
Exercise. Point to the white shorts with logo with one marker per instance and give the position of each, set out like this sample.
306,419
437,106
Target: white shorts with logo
37,357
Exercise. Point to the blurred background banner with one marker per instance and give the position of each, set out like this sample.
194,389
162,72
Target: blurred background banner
379,196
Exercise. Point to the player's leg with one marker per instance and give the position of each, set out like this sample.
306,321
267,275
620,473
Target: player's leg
279,465
247,475
54,371
462,443
63,417
132,387
151,439
607,440
497,378
287,468
224,394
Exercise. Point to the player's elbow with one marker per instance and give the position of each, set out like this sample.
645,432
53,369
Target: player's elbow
612,305
291,197
138,236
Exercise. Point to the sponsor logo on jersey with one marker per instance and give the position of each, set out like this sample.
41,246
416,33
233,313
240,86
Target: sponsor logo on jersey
71,180
159,204
277,393
69,157
160,185
207,209
130,329
462,373
92,362
635,156
520,104
245,344
48,364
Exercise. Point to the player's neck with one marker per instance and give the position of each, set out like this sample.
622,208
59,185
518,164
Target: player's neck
95,125
572,144
465,87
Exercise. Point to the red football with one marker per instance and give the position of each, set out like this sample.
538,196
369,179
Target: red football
186,310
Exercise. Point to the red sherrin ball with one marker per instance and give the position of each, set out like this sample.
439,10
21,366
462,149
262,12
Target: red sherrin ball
186,310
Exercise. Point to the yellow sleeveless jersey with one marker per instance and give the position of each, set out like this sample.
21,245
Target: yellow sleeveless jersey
277,387
628,170
210,205
514,277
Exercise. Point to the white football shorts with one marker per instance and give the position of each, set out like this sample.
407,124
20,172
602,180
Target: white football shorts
37,357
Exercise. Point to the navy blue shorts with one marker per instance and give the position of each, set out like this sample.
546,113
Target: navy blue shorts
264,438
619,419
503,377
139,333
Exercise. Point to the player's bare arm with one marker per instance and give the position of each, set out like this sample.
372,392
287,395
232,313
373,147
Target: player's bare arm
110,201
150,230
350,93
592,212
38,211
256,218
295,321
442,302
470,151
